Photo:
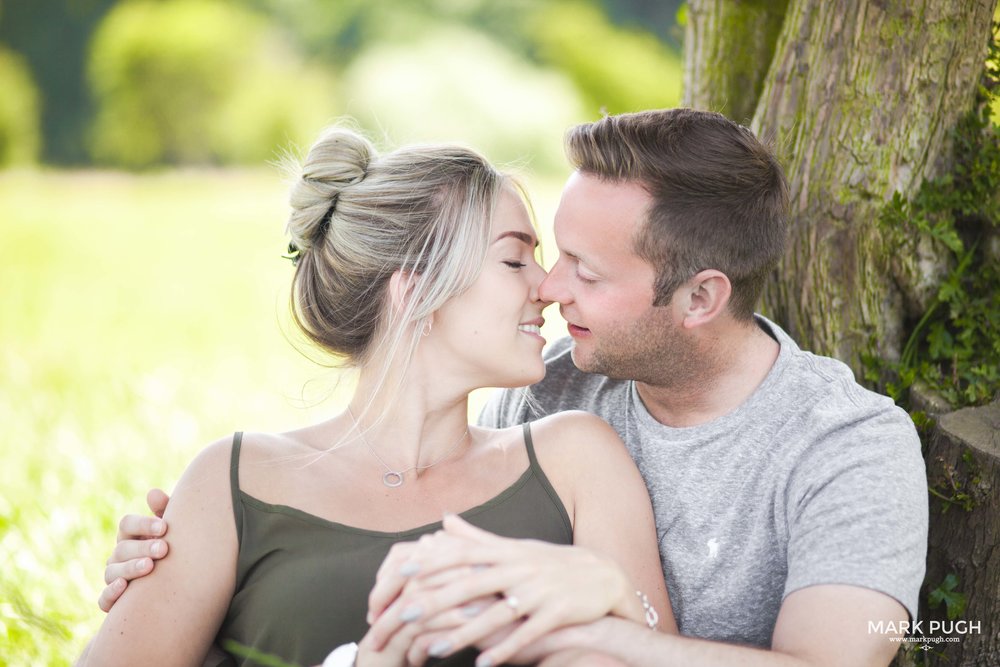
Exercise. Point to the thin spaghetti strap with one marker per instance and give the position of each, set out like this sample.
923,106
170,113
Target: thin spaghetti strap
234,484
543,479
529,445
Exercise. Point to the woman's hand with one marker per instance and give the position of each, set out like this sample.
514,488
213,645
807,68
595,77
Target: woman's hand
413,642
416,633
528,588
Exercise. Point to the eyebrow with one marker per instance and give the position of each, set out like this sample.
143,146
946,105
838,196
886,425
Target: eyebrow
520,236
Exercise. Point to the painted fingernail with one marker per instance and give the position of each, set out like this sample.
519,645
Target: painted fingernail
439,648
484,661
409,569
158,527
156,548
411,613
471,610
141,564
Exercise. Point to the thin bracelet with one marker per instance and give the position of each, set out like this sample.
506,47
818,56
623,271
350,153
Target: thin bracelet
652,618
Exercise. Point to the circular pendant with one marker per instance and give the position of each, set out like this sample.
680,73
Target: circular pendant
392,479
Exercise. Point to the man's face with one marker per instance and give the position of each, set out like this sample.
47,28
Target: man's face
605,290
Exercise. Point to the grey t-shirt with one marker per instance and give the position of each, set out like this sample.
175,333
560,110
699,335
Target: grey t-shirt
812,480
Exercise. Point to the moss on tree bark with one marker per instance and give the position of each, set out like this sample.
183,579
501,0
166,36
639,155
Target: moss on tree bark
728,47
859,99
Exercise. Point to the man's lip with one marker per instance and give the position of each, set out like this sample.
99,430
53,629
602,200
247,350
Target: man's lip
576,330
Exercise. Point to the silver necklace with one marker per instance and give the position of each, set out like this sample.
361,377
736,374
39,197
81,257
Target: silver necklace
393,478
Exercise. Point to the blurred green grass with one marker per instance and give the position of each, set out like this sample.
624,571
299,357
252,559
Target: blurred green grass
141,317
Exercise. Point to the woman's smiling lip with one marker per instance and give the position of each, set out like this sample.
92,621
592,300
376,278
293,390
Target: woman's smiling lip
532,328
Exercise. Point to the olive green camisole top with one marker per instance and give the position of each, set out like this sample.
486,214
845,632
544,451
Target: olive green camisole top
302,582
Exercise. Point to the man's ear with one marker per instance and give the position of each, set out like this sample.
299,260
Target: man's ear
704,297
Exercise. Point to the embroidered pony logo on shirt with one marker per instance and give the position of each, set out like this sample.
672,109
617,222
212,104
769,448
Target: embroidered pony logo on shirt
713,548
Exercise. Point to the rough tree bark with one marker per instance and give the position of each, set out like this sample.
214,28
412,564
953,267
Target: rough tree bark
963,469
859,99
727,50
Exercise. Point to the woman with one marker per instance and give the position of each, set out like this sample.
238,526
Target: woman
417,267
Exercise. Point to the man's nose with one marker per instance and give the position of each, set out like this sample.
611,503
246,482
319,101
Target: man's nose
553,287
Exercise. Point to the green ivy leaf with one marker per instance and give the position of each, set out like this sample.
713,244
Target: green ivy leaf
940,341
953,600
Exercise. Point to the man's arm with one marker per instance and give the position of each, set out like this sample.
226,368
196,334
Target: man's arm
819,626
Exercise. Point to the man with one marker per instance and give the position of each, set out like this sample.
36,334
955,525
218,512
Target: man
790,502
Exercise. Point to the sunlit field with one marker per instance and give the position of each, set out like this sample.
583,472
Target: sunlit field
141,317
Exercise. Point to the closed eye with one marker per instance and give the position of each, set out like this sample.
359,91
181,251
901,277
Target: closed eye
515,265
577,264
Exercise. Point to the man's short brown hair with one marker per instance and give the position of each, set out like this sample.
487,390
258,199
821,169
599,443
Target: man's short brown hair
719,196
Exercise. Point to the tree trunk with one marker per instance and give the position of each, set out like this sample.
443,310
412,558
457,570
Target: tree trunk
963,467
860,98
728,46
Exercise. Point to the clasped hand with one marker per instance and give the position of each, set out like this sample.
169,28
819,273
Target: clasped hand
463,586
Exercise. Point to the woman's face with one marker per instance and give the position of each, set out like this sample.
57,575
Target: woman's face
491,331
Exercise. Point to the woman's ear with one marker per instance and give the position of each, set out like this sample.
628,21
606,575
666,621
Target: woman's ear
705,296
401,288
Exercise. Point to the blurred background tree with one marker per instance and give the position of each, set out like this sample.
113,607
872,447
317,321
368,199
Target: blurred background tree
140,83
198,81
52,36
19,117
631,68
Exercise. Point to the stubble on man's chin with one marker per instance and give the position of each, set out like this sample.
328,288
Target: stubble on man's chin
655,356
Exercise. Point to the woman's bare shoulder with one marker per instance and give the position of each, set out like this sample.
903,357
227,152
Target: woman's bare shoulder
211,460
576,430
573,446
276,448
290,467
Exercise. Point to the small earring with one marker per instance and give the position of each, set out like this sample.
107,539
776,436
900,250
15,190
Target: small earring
428,325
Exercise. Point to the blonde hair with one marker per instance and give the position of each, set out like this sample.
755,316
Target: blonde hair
358,217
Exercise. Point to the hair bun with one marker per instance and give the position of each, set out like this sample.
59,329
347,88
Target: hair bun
338,159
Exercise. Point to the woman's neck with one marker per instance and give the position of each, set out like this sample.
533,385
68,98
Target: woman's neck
413,423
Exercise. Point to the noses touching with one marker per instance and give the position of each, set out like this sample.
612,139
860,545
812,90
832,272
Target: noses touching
535,295
553,287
